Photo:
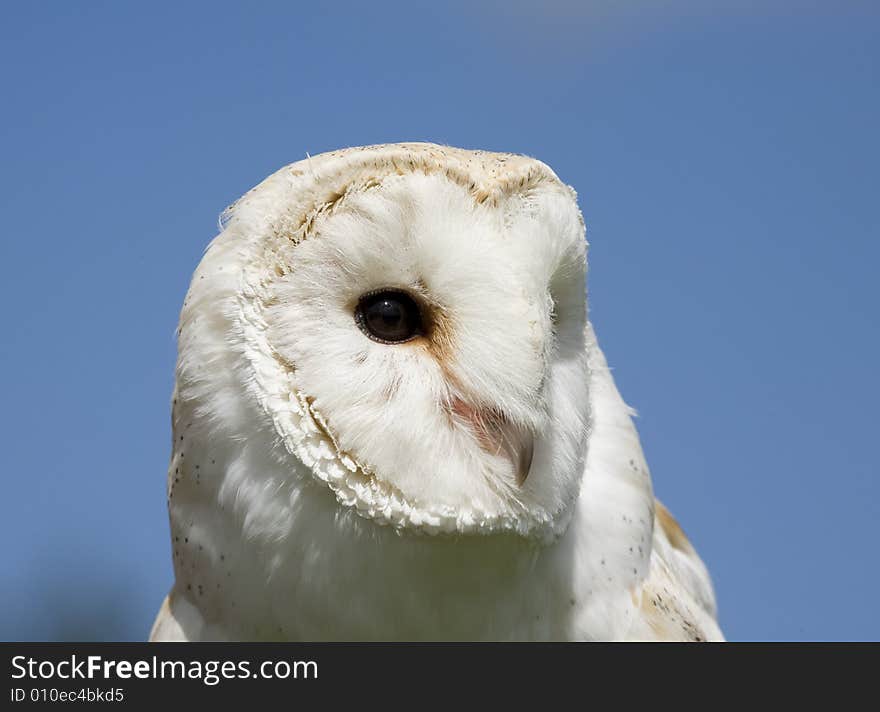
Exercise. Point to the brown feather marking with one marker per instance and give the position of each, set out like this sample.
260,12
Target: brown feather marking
672,528
667,615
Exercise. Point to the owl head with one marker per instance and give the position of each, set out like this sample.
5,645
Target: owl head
408,321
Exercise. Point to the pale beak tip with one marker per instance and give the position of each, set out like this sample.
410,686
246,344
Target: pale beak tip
524,465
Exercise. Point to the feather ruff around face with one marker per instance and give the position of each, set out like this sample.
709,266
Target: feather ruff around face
496,242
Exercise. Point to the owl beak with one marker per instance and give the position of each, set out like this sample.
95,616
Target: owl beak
519,446
499,436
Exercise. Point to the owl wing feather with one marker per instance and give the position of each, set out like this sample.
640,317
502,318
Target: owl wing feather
677,599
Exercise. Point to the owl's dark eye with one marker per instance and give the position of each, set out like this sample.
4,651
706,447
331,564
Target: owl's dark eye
388,316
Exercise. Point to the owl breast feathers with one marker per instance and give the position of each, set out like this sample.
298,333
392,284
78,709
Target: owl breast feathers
392,420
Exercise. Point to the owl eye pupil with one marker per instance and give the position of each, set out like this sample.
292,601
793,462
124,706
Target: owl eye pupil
388,316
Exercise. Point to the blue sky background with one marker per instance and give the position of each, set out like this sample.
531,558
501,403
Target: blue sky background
727,159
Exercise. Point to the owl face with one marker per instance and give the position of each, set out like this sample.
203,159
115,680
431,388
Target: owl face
432,345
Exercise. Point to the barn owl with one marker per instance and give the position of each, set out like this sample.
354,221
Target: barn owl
392,420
